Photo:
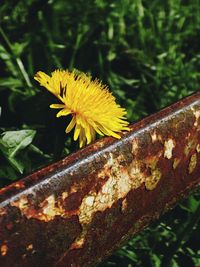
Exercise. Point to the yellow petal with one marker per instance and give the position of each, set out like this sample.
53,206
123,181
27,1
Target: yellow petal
71,125
57,106
81,138
63,112
77,131
93,107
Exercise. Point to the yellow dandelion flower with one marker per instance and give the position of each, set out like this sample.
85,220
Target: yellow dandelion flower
91,105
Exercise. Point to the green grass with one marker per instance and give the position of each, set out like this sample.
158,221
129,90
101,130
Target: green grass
148,52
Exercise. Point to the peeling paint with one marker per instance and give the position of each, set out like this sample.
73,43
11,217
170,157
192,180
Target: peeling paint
121,181
46,212
154,137
152,181
193,163
64,195
116,187
197,116
191,144
168,148
136,174
21,203
124,205
134,146
198,148
89,201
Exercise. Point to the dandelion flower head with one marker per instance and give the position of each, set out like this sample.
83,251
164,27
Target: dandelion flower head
89,102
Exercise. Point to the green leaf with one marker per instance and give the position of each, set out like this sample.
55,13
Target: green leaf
17,164
10,82
156,261
18,48
14,141
190,204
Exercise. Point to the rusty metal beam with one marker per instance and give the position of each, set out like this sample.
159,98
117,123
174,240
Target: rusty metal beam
76,211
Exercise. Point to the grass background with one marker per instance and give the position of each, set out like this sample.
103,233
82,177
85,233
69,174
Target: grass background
148,52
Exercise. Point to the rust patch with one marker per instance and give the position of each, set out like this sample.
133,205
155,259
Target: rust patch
46,211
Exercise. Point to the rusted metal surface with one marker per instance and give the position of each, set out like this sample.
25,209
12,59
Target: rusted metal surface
76,211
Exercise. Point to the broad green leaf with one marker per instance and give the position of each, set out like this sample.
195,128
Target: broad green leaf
12,142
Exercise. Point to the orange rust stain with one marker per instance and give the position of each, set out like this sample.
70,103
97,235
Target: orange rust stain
21,203
19,185
78,244
4,249
74,188
46,211
29,247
